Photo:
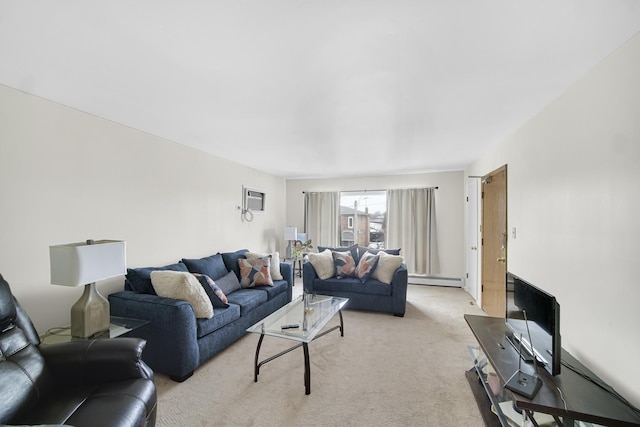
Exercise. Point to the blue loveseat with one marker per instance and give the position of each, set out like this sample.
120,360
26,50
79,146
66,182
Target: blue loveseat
372,294
177,341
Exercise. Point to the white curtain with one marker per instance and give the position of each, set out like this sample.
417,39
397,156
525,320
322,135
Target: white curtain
411,226
322,218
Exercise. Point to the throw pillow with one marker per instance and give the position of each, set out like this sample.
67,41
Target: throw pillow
323,264
255,272
344,264
215,294
366,266
353,249
229,283
185,287
275,263
387,266
212,266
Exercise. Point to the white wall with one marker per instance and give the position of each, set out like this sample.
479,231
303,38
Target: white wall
449,207
573,176
66,176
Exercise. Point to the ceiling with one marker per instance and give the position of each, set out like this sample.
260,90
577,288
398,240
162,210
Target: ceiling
313,88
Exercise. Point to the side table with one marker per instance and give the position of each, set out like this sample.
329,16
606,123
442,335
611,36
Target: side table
118,326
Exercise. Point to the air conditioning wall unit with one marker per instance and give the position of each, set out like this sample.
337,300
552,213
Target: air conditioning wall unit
253,199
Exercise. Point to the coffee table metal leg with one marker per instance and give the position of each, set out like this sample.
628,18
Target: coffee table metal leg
341,324
307,369
256,370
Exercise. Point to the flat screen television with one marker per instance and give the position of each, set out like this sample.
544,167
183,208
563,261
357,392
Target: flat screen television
543,318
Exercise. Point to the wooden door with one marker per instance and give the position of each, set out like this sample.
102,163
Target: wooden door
494,242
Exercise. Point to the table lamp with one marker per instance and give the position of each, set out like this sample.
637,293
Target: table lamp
84,263
290,234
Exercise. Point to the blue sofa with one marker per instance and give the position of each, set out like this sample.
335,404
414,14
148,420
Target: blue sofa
371,295
177,341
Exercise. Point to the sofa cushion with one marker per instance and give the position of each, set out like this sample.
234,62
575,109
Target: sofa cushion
387,266
366,266
231,260
215,294
223,317
323,264
351,285
183,286
255,272
279,286
229,283
212,266
139,279
344,264
275,263
248,299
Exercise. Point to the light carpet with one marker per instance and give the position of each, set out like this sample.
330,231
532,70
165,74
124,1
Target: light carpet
385,371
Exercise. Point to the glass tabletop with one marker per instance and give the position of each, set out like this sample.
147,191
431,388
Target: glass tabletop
309,312
117,326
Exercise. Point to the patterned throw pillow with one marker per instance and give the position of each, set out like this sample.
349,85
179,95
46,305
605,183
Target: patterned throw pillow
366,266
255,272
344,264
275,263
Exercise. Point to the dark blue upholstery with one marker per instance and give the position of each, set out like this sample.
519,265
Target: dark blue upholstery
370,295
139,279
212,266
177,342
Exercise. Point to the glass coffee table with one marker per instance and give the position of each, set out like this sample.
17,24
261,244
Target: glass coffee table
301,320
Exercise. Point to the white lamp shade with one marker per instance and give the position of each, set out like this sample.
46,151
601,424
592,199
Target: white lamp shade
290,233
76,264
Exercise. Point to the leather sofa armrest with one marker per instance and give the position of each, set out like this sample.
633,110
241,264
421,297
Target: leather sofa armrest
96,361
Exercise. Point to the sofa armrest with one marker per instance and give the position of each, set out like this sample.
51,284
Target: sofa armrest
286,269
96,361
172,324
399,285
308,276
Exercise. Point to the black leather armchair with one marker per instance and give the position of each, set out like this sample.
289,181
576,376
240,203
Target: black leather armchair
81,383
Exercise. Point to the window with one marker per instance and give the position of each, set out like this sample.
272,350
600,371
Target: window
362,218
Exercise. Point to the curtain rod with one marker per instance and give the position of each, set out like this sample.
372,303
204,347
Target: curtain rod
365,191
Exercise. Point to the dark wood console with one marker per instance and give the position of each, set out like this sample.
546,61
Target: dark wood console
567,396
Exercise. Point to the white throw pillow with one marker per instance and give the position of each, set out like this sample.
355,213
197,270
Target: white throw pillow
387,266
323,264
275,263
183,286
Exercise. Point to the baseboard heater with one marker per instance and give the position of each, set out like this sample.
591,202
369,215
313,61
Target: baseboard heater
417,279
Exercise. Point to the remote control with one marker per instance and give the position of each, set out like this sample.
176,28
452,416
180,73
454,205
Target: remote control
290,326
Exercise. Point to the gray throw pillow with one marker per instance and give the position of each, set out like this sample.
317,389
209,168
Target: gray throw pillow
229,283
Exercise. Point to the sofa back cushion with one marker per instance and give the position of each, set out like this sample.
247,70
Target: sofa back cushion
23,372
231,260
139,279
212,266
